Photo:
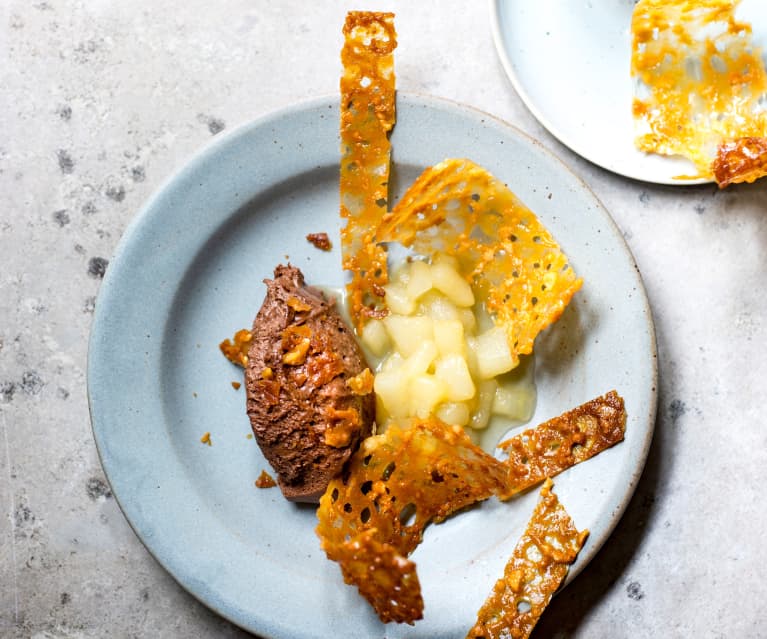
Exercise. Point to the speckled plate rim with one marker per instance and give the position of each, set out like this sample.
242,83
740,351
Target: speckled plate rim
543,113
101,385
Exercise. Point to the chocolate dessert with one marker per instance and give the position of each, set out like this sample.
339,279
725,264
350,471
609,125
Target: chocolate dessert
309,393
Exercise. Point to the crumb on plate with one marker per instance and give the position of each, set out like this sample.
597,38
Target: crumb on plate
320,241
265,480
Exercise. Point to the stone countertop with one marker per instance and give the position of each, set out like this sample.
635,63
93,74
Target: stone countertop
102,100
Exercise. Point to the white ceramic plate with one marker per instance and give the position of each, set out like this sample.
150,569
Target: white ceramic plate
188,273
570,62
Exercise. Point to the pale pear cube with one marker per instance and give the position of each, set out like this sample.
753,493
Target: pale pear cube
420,361
485,397
420,280
483,321
375,338
397,299
391,389
449,281
454,413
448,260
438,307
382,415
401,274
468,319
448,336
493,353
426,391
391,363
408,333
440,353
513,402
471,355
454,372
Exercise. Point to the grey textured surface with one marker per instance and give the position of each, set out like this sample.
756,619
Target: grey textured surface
101,100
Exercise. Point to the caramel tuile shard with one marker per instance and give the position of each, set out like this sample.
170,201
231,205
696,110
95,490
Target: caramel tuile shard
741,160
536,569
562,442
367,117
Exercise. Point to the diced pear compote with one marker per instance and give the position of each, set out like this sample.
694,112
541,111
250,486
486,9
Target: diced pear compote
439,352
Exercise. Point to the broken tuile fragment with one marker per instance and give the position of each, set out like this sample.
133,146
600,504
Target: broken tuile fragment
373,516
566,440
534,572
385,577
741,160
700,87
367,117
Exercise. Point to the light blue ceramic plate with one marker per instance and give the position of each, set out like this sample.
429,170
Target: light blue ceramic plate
188,273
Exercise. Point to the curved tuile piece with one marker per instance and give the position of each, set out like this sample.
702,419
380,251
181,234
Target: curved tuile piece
396,484
518,270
